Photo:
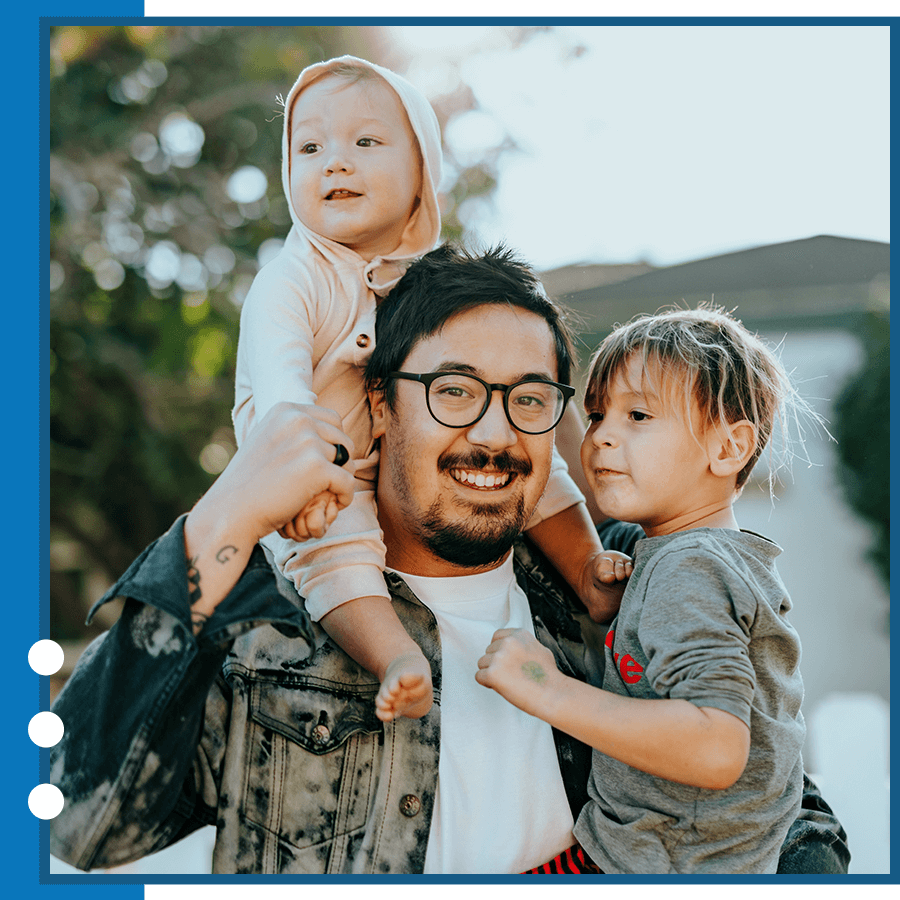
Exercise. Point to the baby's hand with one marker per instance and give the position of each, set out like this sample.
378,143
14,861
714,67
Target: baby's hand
313,520
521,669
603,583
611,566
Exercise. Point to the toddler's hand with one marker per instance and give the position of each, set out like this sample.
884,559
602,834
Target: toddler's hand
521,669
603,583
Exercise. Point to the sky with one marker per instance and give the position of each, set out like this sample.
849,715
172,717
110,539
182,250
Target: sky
667,143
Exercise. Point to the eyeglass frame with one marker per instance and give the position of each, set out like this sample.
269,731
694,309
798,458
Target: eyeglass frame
428,378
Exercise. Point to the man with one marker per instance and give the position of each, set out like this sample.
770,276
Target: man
261,726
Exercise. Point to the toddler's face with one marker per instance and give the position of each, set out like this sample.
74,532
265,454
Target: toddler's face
355,170
641,458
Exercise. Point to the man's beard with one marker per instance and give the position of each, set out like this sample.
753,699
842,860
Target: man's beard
489,530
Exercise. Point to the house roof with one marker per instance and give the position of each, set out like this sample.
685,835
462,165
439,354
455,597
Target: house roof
823,280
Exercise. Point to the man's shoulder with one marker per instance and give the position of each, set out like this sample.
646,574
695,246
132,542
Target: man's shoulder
548,594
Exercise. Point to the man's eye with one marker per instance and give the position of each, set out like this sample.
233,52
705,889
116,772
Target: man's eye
531,401
452,391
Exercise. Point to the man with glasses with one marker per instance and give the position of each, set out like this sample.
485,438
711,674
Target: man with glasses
269,732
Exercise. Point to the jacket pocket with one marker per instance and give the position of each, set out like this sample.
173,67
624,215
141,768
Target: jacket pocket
309,777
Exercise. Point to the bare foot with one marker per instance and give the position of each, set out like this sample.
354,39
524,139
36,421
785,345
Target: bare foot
406,688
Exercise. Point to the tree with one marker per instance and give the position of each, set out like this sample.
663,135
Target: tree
862,429
164,194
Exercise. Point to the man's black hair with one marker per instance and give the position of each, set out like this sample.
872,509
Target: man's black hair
447,281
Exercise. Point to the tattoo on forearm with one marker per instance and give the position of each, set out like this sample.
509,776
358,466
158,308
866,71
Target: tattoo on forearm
198,619
534,672
223,555
193,577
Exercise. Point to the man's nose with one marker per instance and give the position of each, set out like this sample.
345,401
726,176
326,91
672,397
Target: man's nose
493,430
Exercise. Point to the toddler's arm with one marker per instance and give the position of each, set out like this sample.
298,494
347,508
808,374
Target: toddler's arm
670,738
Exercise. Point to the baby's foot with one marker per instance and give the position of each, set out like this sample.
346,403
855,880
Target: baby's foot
406,689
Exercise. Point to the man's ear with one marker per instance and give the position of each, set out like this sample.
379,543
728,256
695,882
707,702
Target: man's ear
379,412
730,447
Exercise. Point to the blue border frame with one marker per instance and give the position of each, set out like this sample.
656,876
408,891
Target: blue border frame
28,439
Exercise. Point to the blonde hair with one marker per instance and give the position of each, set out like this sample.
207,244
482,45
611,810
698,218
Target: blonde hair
728,373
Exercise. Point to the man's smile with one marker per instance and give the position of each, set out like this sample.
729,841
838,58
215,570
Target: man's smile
480,479
483,471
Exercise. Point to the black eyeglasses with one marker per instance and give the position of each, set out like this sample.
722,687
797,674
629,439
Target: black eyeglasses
458,400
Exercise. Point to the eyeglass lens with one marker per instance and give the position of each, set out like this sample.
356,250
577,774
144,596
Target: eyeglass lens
457,401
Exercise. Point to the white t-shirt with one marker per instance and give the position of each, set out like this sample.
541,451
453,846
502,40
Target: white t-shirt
501,805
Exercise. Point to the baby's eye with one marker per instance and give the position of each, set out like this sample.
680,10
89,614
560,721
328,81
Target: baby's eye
595,417
308,148
367,142
638,416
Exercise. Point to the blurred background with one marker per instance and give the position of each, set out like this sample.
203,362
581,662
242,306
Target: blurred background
632,166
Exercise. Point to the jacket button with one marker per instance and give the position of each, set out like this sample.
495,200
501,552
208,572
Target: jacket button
410,805
362,340
320,734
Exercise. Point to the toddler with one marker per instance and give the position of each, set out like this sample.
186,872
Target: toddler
697,728
361,167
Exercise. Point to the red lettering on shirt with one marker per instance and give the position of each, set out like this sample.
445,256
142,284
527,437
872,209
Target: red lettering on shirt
630,669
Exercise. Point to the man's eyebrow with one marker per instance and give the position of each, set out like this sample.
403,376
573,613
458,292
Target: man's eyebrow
467,369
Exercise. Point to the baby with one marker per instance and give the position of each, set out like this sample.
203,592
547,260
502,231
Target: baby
697,728
361,167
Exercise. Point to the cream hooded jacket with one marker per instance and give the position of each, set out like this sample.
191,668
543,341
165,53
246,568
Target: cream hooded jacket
307,330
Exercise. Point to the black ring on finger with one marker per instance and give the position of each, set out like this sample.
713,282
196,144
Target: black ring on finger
341,455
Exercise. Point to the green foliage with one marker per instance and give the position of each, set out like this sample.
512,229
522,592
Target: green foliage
141,357
862,429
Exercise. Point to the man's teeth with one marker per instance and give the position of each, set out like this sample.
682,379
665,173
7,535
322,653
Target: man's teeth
479,479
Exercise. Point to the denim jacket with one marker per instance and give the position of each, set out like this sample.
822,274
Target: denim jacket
264,728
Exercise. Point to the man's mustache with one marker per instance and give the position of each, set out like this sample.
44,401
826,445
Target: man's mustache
481,459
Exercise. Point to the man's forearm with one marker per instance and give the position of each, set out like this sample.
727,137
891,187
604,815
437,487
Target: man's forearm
217,552
282,466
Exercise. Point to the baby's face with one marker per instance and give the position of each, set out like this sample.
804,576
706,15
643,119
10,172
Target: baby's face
355,169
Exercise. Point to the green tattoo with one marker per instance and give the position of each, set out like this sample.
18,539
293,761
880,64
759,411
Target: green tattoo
534,672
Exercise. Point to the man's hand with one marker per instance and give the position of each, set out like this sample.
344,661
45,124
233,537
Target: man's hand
521,669
603,582
284,466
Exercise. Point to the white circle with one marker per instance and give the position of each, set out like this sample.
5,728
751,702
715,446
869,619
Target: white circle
45,729
45,657
247,185
46,801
